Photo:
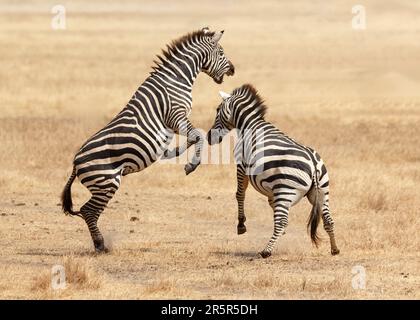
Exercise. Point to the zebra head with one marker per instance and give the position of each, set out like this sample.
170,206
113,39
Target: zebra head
236,111
215,63
223,121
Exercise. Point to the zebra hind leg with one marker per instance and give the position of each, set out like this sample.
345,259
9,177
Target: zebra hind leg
326,217
91,211
271,203
329,227
281,219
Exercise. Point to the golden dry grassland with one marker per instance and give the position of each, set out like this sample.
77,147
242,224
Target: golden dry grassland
352,95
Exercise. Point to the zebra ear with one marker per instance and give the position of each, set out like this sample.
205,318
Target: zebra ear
224,95
217,36
205,30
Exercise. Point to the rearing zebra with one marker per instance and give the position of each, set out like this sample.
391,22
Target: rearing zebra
277,166
142,131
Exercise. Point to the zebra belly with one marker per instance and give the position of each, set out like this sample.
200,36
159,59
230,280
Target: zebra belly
110,161
290,179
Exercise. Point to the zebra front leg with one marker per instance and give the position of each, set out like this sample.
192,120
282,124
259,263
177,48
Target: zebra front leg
242,180
196,139
281,212
176,152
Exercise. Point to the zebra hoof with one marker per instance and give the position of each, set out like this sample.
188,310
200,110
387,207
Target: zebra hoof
335,251
241,229
101,250
100,247
189,167
265,254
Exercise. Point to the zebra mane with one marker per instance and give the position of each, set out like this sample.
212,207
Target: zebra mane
177,44
258,102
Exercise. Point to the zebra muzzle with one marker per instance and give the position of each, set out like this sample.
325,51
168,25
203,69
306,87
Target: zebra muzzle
231,70
214,136
209,137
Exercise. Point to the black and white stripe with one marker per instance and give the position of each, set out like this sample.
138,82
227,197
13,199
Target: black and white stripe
276,165
141,132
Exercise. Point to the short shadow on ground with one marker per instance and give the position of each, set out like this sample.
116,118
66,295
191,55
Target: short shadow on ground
241,254
58,252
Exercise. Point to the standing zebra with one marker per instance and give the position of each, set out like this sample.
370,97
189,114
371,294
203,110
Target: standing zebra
142,131
277,166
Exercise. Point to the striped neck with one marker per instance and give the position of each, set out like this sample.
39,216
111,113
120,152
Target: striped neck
247,118
181,64
248,108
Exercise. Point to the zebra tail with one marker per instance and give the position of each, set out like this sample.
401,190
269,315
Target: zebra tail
316,212
66,201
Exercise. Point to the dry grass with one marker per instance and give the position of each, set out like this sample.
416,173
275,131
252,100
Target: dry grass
79,275
351,95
